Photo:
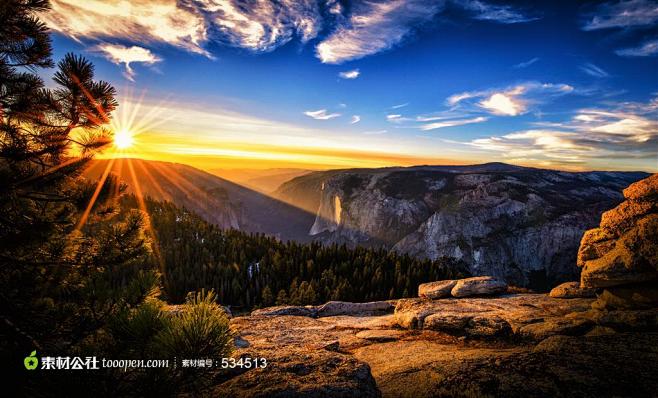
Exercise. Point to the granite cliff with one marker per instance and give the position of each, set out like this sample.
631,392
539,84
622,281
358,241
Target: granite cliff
519,224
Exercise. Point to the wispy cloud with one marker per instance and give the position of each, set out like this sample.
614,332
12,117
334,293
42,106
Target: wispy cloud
647,49
525,64
511,101
374,27
355,119
452,123
321,114
505,14
623,131
622,14
263,25
398,106
350,74
145,21
594,70
119,54
375,132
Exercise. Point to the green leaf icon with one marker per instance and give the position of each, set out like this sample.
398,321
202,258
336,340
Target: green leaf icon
32,361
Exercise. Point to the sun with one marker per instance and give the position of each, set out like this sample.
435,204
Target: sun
123,139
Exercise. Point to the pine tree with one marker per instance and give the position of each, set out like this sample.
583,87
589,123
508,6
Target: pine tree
267,297
61,278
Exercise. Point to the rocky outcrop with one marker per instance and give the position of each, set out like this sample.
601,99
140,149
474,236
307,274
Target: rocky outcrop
622,254
486,316
478,286
514,345
518,224
569,290
436,290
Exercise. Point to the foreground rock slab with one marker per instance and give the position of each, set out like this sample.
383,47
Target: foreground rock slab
484,317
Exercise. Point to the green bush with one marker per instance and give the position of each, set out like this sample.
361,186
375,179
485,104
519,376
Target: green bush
200,330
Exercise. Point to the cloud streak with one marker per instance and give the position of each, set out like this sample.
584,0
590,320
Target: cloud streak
355,119
452,123
350,74
647,49
623,14
504,14
594,70
525,64
321,114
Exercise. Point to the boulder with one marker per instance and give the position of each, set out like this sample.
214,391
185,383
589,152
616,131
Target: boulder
478,286
569,290
336,308
436,290
624,249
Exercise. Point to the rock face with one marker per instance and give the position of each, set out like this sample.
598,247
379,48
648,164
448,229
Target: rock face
436,290
478,286
518,224
624,249
569,290
622,254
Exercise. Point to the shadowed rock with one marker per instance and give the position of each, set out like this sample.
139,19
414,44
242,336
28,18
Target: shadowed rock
569,290
624,249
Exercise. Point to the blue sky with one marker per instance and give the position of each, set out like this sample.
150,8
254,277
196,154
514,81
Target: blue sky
557,84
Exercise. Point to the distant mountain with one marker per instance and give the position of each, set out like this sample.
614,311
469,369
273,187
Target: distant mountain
521,224
217,200
262,180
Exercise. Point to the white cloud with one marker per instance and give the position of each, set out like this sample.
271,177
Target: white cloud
623,14
594,70
511,101
350,74
647,49
321,114
145,21
355,119
375,132
398,106
525,64
263,25
452,123
624,131
260,25
375,27
496,13
119,54
502,104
